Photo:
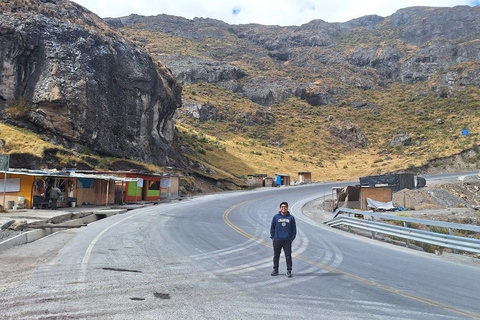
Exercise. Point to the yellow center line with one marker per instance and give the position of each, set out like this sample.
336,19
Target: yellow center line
349,275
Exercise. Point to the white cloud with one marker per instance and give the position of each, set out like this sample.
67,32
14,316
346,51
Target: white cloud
267,12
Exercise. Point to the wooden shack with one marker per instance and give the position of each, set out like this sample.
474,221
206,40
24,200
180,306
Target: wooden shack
282,179
305,177
380,194
268,182
355,197
29,188
170,186
396,181
256,180
139,186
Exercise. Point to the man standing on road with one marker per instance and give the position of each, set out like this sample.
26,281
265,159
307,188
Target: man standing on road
54,194
283,231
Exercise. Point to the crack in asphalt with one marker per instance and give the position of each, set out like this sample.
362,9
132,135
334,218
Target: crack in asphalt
121,270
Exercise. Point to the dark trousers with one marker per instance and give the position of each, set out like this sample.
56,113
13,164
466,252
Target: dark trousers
286,245
54,203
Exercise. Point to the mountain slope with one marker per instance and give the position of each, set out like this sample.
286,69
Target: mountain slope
334,99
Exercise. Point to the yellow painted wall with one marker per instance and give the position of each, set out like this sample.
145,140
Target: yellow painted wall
26,184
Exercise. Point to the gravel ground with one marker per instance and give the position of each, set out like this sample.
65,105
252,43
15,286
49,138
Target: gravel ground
454,202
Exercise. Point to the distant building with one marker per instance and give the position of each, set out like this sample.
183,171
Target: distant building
356,197
145,187
268,182
282,179
305,177
256,180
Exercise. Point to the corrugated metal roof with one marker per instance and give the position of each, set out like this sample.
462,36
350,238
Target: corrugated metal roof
66,174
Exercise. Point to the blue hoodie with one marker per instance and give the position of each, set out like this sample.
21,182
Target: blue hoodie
283,227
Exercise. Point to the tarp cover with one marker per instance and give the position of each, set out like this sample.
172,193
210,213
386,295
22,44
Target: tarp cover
379,205
397,181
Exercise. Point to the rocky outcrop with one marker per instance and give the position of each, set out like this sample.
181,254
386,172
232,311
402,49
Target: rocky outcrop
82,84
266,92
201,112
402,139
316,94
419,25
349,134
188,69
207,112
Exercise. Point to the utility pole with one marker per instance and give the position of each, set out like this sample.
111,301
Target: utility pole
4,165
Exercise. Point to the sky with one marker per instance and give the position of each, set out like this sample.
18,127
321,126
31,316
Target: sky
266,12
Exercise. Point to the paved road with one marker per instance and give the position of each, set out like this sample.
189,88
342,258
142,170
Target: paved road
210,258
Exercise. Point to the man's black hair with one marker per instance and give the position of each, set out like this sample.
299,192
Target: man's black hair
284,203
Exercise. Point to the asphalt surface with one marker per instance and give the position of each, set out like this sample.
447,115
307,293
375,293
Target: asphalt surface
210,258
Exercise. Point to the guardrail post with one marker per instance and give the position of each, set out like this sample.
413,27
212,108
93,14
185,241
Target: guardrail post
373,232
349,228
407,242
450,231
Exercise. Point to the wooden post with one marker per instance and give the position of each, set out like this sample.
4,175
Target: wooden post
4,189
108,185
123,189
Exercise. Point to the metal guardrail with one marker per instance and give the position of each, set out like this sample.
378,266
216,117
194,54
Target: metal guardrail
443,240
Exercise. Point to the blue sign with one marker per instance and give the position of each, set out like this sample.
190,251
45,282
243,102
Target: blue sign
464,132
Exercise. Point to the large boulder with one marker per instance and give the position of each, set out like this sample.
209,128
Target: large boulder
349,134
82,84
402,139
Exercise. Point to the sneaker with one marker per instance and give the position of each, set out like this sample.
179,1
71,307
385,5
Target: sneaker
289,274
274,272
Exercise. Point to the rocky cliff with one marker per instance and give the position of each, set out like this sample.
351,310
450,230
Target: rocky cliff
68,75
322,62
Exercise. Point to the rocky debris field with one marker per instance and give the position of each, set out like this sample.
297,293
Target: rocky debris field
457,202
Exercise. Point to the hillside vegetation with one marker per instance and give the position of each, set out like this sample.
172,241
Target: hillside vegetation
305,144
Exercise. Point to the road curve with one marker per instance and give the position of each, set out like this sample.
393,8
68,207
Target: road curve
210,257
